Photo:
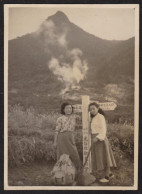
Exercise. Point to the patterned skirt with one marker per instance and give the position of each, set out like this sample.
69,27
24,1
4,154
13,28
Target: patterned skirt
102,155
66,145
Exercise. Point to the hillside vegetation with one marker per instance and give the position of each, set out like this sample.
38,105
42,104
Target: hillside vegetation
31,137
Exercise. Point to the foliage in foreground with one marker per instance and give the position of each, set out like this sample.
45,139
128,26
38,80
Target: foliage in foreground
30,137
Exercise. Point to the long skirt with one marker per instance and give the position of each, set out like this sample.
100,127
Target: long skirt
66,145
102,155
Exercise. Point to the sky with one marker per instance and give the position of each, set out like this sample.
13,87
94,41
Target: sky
106,23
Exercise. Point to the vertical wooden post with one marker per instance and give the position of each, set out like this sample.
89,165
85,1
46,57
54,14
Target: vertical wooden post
86,133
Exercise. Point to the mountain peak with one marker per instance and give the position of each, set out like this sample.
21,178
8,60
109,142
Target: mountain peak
59,16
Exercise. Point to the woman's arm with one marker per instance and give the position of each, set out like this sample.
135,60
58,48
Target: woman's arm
58,128
102,128
95,139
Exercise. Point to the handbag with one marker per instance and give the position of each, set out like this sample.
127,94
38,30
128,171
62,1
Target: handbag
64,171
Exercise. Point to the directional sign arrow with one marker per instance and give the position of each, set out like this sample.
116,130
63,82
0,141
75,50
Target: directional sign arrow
103,105
107,105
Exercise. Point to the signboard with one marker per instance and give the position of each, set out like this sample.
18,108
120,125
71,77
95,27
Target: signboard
77,108
106,106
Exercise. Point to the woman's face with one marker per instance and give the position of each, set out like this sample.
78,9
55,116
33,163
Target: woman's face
68,110
93,110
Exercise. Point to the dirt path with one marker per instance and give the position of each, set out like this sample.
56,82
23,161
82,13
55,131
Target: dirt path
39,175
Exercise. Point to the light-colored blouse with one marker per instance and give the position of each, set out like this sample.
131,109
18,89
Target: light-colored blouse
98,126
65,123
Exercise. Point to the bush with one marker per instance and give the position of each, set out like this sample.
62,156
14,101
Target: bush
27,121
122,137
20,151
25,150
30,136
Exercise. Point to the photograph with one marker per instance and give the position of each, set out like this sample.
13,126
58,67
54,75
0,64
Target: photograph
71,96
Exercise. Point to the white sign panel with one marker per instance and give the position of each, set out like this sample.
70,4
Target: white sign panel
106,106
77,108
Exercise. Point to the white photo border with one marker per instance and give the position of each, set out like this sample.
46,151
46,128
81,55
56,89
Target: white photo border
136,97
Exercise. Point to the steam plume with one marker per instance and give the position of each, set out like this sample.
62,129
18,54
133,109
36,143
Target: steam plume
70,67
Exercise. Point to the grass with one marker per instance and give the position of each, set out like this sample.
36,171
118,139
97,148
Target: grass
31,140
30,136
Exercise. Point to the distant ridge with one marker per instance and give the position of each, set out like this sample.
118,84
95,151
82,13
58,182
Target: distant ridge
59,17
110,73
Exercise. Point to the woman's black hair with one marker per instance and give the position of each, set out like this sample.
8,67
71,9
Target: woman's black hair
99,109
63,107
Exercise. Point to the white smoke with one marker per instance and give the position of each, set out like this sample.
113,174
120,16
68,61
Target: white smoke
70,67
51,34
62,40
69,74
48,28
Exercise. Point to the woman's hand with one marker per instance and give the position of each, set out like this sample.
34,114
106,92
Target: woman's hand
95,139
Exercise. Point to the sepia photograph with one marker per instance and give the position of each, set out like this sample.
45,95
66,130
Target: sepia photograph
71,93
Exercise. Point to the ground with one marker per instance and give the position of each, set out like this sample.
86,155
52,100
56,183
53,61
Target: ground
39,174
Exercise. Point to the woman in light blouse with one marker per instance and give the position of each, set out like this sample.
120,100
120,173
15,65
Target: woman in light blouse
64,135
102,155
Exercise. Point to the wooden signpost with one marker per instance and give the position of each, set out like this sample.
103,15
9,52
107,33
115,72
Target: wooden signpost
86,133
86,125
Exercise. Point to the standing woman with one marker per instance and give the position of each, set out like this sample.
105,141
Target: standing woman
102,155
64,135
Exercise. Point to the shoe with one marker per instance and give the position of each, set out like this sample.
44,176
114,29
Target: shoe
111,176
104,180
